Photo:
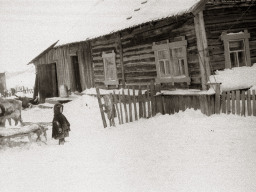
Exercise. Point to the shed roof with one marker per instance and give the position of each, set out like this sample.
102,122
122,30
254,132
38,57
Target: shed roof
110,16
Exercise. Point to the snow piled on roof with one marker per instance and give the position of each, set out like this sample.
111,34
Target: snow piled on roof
110,16
235,78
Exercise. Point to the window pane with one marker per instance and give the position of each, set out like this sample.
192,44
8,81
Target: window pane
176,67
163,54
167,67
181,67
161,66
233,60
177,52
236,45
241,58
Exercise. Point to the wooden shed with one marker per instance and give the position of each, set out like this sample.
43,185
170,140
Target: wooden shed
160,41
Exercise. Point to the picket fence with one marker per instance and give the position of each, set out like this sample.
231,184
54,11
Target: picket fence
137,104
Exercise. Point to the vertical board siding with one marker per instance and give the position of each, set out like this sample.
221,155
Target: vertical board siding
62,57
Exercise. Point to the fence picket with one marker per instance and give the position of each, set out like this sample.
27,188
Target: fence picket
121,110
228,103
101,108
153,98
249,104
233,102
140,103
238,102
217,99
159,102
116,107
149,105
223,102
125,107
135,106
130,105
254,103
243,103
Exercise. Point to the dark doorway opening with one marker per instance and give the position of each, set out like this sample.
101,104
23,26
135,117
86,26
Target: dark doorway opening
76,73
47,81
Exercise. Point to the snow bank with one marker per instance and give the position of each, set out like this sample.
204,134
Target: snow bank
187,151
235,78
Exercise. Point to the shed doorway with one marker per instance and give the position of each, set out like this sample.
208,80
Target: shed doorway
76,73
48,84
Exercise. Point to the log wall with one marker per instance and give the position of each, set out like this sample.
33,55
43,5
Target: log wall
138,56
106,44
231,18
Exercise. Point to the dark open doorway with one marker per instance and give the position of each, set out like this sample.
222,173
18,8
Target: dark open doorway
47,81
76,73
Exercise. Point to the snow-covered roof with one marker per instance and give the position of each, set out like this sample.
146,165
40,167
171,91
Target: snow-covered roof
108,16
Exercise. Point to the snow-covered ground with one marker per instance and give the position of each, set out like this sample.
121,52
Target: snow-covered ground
184,152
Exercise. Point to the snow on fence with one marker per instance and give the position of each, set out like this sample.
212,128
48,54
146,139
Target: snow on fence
135,104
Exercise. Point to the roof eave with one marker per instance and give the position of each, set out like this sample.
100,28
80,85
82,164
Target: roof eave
42,53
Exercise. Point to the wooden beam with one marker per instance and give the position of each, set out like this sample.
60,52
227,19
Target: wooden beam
202,47
121,58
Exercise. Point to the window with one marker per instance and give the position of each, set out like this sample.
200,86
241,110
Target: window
171,62
110,68
236,46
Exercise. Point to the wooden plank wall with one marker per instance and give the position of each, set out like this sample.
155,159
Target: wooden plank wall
61,56
138,56
139,59
223,17
99,45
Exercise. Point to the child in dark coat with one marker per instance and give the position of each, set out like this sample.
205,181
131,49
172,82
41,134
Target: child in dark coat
60,124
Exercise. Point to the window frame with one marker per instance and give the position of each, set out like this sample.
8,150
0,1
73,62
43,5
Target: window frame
170,48
227,38
104,57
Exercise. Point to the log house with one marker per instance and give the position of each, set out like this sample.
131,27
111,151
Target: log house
177,50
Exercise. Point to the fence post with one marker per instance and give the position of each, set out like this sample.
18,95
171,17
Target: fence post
153,99
140,103
135,105
125,107
121,110
116,106
159,101
243,103
249,104
253,103
130,105
148,99
217,98
101,108
238,102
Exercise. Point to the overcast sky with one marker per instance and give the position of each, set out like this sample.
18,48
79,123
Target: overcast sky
30,26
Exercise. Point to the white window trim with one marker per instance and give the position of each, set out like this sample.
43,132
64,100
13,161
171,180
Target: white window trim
170,46
226,38
110,55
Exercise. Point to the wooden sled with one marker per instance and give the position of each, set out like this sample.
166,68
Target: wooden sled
29,129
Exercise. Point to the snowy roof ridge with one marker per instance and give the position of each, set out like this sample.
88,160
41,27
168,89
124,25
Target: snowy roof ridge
126,14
